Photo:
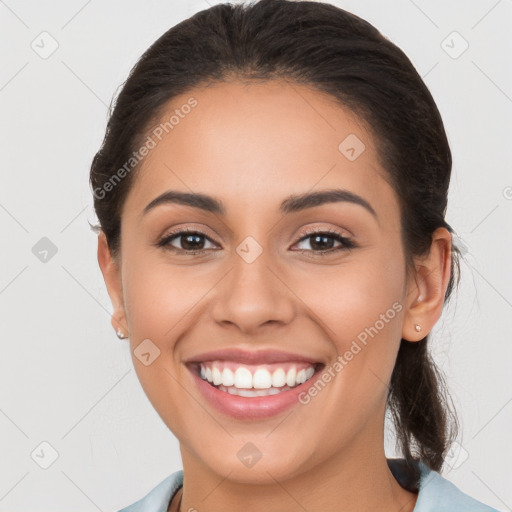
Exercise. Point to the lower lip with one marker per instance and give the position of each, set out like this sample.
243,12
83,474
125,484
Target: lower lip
257,407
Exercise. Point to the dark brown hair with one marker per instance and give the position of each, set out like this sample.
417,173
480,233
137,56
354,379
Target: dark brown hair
336,52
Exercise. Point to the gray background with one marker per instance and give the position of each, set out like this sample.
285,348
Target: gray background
65,377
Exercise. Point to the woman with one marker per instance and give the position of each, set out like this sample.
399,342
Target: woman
271,193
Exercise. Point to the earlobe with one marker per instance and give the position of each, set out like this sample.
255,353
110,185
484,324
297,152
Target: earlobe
425,296
112,276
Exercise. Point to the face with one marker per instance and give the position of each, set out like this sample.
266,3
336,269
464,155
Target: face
320,280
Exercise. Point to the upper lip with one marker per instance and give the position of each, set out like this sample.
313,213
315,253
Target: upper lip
250,357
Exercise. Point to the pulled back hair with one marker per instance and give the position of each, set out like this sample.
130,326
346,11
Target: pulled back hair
335,52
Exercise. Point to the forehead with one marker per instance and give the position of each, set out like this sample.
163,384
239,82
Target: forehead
252,144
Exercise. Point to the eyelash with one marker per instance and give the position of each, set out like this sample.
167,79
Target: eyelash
347,243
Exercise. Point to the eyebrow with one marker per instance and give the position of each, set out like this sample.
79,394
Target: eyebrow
292,204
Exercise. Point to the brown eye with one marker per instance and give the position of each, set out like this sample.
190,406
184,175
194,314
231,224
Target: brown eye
188,241
323,242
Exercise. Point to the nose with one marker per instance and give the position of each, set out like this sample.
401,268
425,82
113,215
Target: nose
253,295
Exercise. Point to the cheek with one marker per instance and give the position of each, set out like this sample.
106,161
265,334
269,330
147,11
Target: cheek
353,295
359,306
159,306
159,296
162,303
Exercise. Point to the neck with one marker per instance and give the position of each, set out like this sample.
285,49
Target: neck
355,478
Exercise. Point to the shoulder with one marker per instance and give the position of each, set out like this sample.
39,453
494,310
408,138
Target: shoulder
437,494
157,500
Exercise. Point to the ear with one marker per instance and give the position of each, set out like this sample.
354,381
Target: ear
426,289
112,276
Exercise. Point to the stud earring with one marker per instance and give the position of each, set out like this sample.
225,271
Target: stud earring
417,327
120,334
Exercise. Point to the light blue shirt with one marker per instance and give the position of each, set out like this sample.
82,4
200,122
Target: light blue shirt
435,493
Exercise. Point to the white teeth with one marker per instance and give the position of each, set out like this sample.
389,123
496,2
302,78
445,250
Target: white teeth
262,379
252,392
243,378
216,376
246,392
301,376
228,378
290,377
279,378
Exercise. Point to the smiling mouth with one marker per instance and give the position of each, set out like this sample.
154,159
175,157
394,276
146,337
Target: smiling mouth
255,380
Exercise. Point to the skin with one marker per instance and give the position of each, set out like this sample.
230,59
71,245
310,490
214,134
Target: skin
252,145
